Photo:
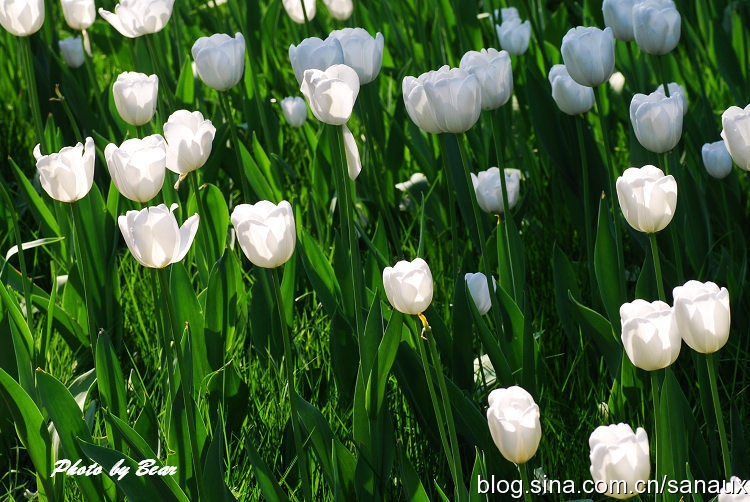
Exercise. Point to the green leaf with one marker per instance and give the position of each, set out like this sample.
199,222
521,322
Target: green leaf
222,307
603,336
413,489
267,482
186,83
608,274
216,222
320,272
37,205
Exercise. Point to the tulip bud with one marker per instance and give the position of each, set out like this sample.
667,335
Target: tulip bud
340,9
513,419
266,232
295,10
618,15
619,455
649,334
508,13
657,120
489,189
189,140
589,54
415,181
514,35
135,96
494,73
480,291
716,159
656,26
331,93
79,14
353,163
647,198
295,111
133,18
408,286
571,97
362,52
153,236
617,82
67,176
315,54
72,51
137,167
446,100
220,60
701,310
735,490
22,17
736,134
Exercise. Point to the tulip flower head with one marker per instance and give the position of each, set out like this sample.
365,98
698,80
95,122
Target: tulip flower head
675,89
619,455
341,10
649,334
716,159
408,286
67,175
79,14
189,141
617,82
220,60
299,9
353,163
514,35
331,93
494,73
479,289
735,490
362,52
137,166
647,198
133,18
153,236
22,17
315,54
701,310
508,13
618,15
571,97
266,232
736,134
656,26
72,51
513,419
135,96
657,120
489,189
295,111
589,54
446,100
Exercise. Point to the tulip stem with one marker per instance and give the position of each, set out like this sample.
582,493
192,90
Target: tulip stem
586,204
235,141
75,215
662,74
711,364
672,231
169,325
289,370
27,62
655,398
657,267
524,471
202,228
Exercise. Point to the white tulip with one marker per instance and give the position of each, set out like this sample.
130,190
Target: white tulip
133,18
657,120
67,175
153,236
408,286
220,60
619,455
677,90
340,9
716,159
494,73
480,291
353,163
266,232
446,100
617,82
295,111
415,180
508,13
571,97
135,96
137,166
618,15
332,93
22,17
489,189
362,52
297,10
736,134
513,419
656,26
189,141
79,14
647,198
702,313
514,35
315,54
649,334
72,51
735,490
589,54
